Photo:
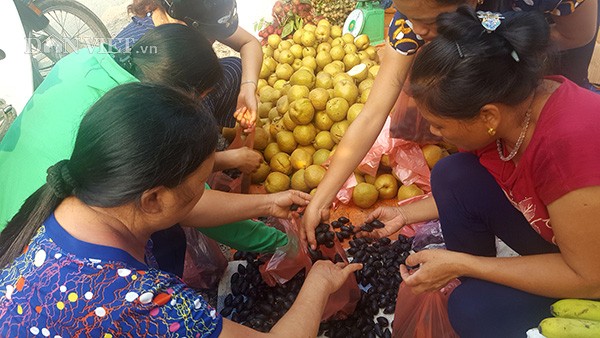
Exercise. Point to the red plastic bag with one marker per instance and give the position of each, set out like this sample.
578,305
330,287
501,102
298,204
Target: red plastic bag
287,260
204,261
240,183
290,259
341,303
407,123
424,315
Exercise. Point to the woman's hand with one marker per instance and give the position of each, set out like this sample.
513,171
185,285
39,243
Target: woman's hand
435,269
247,160
393,218
281,202
247,106
329,275
313,215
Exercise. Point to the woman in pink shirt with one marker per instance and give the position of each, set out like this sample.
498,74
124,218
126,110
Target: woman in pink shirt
528,174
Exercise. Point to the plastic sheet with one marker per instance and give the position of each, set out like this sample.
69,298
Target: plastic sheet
428,236
424,315
204,262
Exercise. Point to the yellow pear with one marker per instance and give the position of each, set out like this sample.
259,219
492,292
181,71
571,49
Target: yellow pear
365,84
364,195
297,37
320,156
303,77
318,97
308,38
297,181
337,108
297,92
281,163
323,140
301,159
432,154
260,174
287,122
323,58
277,182
261,139
338,130
351,60
324,80
322,121
362,41
346,90
354,110
284,71
285,141
302,111
408,191
336,31
270,151
323,47
310,62
313,175
336,52
273,40
305,134
387,185
283,105
263,109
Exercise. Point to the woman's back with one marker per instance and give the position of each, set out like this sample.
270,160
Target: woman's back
44,132
73,288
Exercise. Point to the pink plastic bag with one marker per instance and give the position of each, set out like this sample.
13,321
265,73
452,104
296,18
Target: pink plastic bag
424,315
406,159
204,262
407,123
240,183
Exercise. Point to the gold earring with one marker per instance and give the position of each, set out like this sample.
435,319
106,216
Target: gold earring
492,131
480,2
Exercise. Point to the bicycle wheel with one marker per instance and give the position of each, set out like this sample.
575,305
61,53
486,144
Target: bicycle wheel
72,26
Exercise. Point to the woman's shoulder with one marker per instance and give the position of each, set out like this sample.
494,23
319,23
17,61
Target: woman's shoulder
402,37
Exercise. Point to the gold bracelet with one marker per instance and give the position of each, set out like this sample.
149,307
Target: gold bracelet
249,81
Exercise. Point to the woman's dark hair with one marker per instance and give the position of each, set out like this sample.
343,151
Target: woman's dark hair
136,137
466,67
177,56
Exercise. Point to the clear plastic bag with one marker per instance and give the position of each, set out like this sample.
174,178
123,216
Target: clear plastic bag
429,236
407,123
424,315
204,261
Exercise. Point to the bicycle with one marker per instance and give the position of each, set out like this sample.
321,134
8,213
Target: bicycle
56,28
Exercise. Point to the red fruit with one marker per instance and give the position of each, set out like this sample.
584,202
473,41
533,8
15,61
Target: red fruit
270,30
279,30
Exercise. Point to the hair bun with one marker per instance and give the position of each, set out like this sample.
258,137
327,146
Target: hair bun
60,180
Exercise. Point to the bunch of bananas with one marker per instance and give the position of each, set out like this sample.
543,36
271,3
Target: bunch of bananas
573,318
336,11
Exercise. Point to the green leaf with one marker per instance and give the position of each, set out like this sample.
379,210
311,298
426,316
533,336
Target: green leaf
287,29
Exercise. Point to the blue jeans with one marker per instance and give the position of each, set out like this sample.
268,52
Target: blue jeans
473,209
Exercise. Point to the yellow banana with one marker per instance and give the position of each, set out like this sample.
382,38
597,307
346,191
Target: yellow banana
569,328
576,308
